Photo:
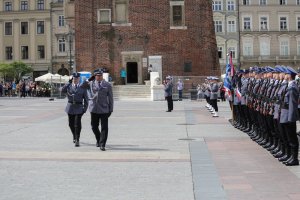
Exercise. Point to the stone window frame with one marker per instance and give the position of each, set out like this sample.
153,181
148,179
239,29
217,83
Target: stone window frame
246,2
297,22
298,44
126,22
233,49
11,28
263,2
177,3
41,51
99,16
8,6
217,5
61,45
21,23
250,22
23,6
230,5
260,23
220,52
24,52
281,46
218,24
264,39
280,22
8,53
42,27
40,4
233,26
61,21
282,2
247,43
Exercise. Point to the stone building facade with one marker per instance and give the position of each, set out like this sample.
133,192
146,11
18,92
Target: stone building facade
174,37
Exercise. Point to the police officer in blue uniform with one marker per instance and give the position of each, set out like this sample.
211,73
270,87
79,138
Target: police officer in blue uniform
168,93
77,105
101,104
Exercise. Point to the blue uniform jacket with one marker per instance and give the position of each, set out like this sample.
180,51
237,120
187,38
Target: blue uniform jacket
289,108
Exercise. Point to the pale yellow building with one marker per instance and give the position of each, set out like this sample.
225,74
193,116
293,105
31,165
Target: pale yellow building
269,32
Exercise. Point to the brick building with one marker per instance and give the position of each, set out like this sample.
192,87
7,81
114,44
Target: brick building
175,37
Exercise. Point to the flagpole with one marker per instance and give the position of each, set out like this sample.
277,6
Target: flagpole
232,89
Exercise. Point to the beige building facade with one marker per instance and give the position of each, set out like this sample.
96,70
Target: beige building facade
225,16
25,33
269,32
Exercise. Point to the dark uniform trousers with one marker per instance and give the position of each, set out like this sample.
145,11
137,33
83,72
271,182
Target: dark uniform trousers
75,125
101,137
170,103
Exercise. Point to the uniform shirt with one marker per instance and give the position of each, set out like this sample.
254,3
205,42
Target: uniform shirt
289,111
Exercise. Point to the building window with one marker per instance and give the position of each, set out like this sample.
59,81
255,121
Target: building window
177,13
8,28
230,6
24,52
121,11
24,28
284,48
283,23
62,45
40,27
187,67
220,52
264,46
298,2
246,2
8,6
232,50
262,2
41,52
298,23
282,2
217,5
104,16
8,53
298,47
40,5
263,23
247,23
218,26
248,49
24,5
61,20
231,26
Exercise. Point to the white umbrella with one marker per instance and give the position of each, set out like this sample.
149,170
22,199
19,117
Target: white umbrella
52,78
44,78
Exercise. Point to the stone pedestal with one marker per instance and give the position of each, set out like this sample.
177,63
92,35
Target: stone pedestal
157,93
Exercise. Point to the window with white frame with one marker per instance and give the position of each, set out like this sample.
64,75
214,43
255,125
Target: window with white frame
218,26
24,52
40,4
247,23
246,2
61,45
283,23
248,48
217,5
230,5
177,14
231,26
61,20
104,16
8,53
264,46
298,23
263,23
284,47
8,6
262,2
121,11
8,30
232,49
220,52
298,47
24,5
41,51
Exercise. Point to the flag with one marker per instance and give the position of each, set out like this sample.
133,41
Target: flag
231,64
227,83
238,93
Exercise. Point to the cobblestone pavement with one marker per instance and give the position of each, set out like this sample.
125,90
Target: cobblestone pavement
151,155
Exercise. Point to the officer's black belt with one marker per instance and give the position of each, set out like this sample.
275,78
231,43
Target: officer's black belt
74,102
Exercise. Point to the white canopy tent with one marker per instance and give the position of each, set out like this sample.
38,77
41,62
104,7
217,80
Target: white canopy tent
52,78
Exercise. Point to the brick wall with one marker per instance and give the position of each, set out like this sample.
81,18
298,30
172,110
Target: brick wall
99,45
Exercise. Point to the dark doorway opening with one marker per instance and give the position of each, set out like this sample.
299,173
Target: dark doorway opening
132,72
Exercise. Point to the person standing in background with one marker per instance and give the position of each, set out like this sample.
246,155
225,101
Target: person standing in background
180,86
123,75
168,93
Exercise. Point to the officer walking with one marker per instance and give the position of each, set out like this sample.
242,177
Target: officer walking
77,105
101,105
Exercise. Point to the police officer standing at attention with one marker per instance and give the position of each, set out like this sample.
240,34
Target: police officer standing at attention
168,93
77,105
101,105
214,96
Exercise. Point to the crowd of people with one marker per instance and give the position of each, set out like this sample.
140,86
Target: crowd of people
23,88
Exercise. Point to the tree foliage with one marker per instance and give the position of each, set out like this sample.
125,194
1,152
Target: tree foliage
14,70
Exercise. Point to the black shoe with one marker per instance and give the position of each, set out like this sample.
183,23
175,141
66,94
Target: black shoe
77,143
168,111
102,148
74,140
97,144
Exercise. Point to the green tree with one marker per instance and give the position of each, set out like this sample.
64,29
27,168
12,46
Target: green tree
14,70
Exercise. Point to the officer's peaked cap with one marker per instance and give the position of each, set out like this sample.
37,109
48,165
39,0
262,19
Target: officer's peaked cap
76,74
291,71
98,72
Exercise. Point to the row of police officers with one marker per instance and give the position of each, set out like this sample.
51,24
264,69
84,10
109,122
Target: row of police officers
94,94
265,106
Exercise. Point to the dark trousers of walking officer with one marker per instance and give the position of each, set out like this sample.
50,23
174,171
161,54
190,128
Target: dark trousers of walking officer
101,137
170,103
214,104
75,125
